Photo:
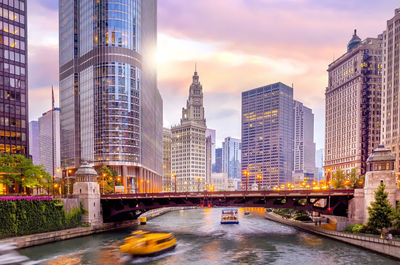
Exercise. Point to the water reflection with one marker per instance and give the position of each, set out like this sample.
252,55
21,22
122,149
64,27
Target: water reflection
203,240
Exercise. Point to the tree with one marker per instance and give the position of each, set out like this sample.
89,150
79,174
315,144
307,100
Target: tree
356,180
107,179
396,222
19,170
338,179
381,213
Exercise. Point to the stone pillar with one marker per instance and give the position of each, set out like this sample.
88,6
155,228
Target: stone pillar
87,190
380,168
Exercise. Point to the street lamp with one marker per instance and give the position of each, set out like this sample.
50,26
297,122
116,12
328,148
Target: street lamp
246,173
104,176
174,176
198,184
259,177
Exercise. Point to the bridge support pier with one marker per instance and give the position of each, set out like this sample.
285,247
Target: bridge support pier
380,169
87,190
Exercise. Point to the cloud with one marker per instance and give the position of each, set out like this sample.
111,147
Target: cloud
237,44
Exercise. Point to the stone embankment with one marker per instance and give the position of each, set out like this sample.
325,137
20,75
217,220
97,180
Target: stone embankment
374,243
48,237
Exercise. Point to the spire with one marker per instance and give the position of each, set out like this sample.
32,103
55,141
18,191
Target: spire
355,40
195,76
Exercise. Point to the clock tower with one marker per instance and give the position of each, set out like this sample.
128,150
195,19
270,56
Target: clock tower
188,146
194,110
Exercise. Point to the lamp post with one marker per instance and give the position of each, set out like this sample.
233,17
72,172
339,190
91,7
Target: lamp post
198,184
246,173
259,177
104,176
174,176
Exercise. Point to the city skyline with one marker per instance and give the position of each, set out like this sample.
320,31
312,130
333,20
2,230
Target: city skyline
229,62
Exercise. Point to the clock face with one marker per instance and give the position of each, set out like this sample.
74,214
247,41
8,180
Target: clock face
197,100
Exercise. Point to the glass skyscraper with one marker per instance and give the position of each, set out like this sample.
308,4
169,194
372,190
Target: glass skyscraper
14,126
111,109
231,155
267,134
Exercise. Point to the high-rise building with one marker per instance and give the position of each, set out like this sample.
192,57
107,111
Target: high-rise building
49,142
218,160
304,146
231,155
189,142
167,141
267,135
319,163
34,142
210,152
219,182
390,131
353,105
14,135
111,109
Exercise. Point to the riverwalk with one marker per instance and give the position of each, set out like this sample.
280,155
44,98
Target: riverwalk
48,237
374,243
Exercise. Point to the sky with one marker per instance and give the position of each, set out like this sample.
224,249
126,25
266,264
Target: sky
237,45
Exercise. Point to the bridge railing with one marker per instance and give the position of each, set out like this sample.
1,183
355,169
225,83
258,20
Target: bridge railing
267,193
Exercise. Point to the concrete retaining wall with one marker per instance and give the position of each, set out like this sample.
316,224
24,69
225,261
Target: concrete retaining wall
70,203
383,246
48,237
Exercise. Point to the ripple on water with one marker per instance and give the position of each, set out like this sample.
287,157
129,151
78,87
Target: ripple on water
203,240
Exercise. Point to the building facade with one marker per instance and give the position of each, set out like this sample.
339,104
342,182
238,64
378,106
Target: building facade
319,163
390,131
34,141
210,152
14,135
167,141
353,105
111,109
231,155
304,146
267,135
218,160
219,182
189,142
49,142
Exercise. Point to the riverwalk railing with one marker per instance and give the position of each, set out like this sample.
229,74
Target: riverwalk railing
371,242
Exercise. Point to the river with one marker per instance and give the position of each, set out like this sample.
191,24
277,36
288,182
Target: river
203,240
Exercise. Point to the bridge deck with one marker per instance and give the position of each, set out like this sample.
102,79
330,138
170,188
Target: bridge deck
266,193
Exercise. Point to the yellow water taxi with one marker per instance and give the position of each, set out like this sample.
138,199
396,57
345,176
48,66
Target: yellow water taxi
142,243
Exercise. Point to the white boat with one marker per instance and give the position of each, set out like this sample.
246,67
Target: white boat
229,216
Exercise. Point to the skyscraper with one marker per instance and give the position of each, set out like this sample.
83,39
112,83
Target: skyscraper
231,155
353,105
304,146
49,142
34,141
218,160
390,88
167,141
210,152
267,134
189,142
14,136
111,109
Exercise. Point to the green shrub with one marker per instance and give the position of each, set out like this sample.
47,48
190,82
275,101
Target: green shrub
24,217
349,228
302,217
357,228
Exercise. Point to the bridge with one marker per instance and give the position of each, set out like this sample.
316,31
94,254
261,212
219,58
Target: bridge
119,207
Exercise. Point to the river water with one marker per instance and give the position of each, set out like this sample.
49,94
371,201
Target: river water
203,240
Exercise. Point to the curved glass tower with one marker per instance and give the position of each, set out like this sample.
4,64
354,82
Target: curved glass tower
111,110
